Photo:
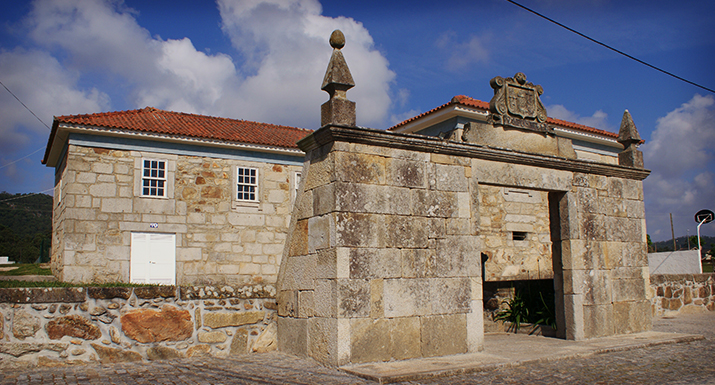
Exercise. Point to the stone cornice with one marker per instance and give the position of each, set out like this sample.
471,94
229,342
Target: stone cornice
334,133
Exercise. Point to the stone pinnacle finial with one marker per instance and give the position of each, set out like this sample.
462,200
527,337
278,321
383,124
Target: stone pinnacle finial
337,81
337,39
629,138
628,134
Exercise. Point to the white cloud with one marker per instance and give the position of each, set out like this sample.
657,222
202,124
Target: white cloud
41,82
283,44
463,54
599,119
286,52
681,155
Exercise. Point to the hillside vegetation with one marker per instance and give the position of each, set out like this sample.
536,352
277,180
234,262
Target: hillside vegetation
25,226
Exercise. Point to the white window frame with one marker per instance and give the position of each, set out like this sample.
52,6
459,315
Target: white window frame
297,175
257,187
170,171
159,179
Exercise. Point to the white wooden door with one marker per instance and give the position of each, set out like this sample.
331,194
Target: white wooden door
153,258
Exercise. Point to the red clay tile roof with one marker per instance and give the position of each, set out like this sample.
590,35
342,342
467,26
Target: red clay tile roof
469,102
152,120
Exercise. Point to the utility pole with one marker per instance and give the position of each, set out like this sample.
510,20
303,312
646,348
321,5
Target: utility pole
672,232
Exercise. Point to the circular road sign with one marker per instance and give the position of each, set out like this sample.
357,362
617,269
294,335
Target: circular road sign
704,216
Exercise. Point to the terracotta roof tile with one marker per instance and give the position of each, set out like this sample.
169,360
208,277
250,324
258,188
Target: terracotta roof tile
478,104
152,120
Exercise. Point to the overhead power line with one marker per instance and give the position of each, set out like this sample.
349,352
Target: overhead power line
26,156
611,48
26,107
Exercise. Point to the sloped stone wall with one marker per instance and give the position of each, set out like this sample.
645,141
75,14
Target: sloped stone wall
687,293
60,326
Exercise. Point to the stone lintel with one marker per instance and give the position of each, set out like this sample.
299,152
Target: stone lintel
339,133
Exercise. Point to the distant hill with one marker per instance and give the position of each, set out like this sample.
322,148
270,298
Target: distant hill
681,243
25,226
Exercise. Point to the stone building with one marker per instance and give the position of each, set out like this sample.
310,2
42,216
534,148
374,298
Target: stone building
164,197
396,234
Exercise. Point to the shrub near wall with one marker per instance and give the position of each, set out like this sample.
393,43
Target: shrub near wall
682,293
59,326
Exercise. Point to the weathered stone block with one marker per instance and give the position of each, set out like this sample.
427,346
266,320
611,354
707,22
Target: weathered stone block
321,232
598,320
359,230
449,178
42,295
293,336
631,317
407,297
629,289
323,340
73,326
374,263
21,349
112,355
359,168
151,292
406,173
146,325
212,337
450,295
24,324
266,341
325,298
430,203
353,298
384,339
222,319
306,304
443,335
598,287
406,231
157,353
239,343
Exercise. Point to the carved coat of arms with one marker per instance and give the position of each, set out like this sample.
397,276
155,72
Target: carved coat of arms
516,103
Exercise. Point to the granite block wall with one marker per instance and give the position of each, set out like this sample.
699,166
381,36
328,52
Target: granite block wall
218,239
62,326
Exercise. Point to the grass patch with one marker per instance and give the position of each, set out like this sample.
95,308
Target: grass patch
707,267
27,269
15,284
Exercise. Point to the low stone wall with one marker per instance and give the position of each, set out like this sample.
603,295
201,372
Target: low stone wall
60,326
686,293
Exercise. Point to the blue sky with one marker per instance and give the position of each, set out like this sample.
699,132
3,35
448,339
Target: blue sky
263,60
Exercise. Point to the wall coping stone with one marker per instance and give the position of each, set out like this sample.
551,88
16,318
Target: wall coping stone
42,294
80,294
657,279
332,133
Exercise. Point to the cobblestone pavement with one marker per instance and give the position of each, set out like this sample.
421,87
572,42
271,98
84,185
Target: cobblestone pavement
683,363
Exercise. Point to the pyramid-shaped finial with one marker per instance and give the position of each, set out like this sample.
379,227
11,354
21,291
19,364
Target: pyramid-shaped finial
629,138
337,81
628,134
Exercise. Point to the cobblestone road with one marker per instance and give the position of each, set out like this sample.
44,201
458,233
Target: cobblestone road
684,363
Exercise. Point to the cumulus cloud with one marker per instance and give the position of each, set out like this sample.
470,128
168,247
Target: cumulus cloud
463,54
283,55
599,119
40,81
681,155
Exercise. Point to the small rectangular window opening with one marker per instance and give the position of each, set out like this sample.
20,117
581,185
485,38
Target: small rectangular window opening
153,178
247,184
519,235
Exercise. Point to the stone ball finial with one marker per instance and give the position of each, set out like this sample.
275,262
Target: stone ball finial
337,39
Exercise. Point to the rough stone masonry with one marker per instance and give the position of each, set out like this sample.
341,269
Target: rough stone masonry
383,259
